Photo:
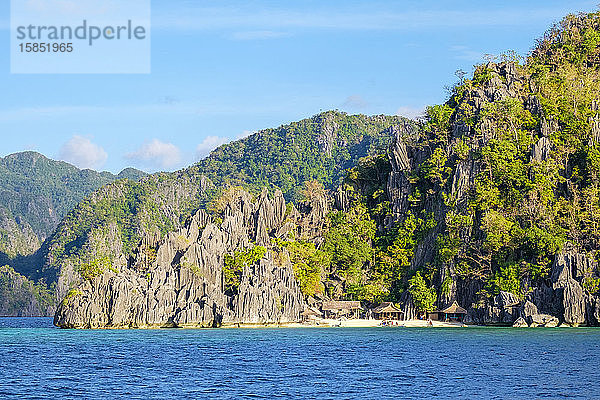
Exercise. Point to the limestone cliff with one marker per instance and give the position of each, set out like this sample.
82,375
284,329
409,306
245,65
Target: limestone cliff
179,281
478,165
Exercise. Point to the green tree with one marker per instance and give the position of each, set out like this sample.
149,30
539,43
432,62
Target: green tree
348,243
309,264
235,263
423,296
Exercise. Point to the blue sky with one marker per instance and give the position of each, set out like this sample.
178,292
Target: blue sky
221,70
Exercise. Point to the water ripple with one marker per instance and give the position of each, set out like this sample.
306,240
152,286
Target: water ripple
38,361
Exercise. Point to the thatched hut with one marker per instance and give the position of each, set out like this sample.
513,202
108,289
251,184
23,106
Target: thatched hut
388,310
310,314
453,313
336,309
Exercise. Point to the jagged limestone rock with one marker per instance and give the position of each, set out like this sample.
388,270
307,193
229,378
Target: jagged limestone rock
528,309
543,320
509,304
184,284
520,323
403,157
541,149
592,310
574,304
548,127
567,268
311,217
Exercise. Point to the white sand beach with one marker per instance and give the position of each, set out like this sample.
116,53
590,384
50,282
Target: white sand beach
372,323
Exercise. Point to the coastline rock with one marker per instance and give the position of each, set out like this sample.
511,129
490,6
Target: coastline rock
568,270
528,309
184,286
502,309
543,320
520,323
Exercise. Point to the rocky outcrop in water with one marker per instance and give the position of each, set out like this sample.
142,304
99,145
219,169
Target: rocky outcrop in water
564,295
179,281
560,300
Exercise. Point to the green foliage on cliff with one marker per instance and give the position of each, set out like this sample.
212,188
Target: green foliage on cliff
235,263
395,250
72,294
21,297
507,279
424,296
309,264
93,268
348,242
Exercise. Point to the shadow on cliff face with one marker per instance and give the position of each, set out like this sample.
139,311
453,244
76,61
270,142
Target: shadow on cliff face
26,265
23,292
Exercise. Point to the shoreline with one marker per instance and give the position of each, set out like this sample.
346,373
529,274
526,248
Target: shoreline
319,323
375,323
315,323
351,323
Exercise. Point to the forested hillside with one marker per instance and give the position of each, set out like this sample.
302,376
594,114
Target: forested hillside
320,148
35,195
114,220
495,200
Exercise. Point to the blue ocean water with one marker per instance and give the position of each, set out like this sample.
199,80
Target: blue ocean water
38,361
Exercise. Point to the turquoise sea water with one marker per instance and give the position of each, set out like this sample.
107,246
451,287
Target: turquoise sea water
38,361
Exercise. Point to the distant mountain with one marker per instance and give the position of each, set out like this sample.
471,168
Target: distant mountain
132,174
37,192
35,195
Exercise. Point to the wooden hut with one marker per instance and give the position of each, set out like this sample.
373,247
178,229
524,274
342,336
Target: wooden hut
388,310
453,313
336,309
310,314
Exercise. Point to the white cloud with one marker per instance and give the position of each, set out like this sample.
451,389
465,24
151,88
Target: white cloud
83,153
156,154
410,112
355,102
209,144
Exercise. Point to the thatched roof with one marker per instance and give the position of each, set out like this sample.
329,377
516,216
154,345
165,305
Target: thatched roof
341,305
386,307
454,309
309,312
